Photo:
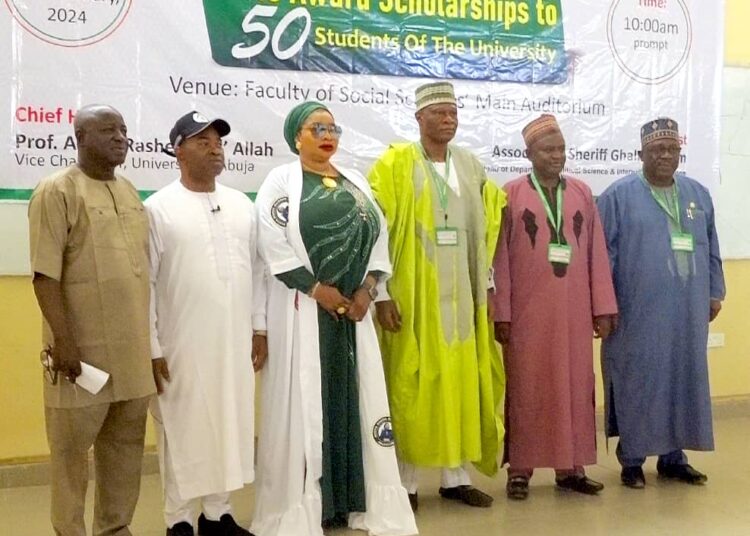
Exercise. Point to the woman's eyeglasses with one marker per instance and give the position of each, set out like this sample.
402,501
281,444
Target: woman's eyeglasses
45,356
319,130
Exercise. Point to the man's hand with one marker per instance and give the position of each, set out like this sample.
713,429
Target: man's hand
388,315
715,308
66,359
358,308
330,299
604,325
502,332
260,351
161,372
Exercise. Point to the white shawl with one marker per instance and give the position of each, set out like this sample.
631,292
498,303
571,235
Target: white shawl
288,500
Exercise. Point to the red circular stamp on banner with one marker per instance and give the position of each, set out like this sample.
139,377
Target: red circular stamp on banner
70,23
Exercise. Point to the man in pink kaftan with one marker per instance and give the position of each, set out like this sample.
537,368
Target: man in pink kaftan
553,292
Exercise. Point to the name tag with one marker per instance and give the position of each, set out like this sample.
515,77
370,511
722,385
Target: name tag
447,236
559,253
683,242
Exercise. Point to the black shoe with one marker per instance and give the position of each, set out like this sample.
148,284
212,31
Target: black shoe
517,488
633,477
226,526
468,495
183,528
681,471
581,484
414,502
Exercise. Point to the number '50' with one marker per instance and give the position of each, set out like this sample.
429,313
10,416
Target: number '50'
243,51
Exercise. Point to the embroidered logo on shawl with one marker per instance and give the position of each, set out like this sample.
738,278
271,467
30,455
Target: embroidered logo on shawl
382,432
280,211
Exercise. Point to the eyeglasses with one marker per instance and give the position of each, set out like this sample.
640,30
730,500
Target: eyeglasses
45,356
319,130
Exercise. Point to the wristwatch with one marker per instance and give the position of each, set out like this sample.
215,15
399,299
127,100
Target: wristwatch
372,291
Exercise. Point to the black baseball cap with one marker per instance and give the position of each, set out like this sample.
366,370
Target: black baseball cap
193,123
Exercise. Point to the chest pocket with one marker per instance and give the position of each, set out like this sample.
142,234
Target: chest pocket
120,239
696,225
122,229
105,228
135,222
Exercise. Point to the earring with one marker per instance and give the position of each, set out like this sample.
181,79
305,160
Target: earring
297,145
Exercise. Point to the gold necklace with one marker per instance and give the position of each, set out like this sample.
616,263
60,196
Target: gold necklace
327,179
329,182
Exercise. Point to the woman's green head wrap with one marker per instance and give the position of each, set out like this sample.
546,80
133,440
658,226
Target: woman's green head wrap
297,116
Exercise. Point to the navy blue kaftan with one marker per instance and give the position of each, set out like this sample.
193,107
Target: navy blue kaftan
655,364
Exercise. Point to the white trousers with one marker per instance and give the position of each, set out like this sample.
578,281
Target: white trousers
450,477
177,509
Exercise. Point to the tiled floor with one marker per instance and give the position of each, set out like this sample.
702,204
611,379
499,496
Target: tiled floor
722,507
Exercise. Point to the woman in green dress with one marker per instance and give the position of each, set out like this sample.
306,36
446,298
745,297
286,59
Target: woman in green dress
326,454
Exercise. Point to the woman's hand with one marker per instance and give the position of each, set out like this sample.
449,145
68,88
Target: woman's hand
359,305
330,299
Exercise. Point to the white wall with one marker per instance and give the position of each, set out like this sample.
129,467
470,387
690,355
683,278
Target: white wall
733,198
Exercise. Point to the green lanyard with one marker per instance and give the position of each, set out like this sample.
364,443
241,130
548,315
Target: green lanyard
556,223
441,182
659,201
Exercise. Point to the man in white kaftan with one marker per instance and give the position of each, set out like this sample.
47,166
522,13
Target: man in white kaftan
208,332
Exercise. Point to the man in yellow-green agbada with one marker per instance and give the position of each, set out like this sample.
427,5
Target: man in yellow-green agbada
444,375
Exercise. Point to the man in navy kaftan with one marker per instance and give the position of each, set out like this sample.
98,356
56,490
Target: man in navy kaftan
669,284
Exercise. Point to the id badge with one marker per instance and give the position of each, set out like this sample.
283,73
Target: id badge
447,236
559,253
683,242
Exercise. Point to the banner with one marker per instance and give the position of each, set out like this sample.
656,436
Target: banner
603,67
473,39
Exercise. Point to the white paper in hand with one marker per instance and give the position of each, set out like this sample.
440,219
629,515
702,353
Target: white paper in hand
92,379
